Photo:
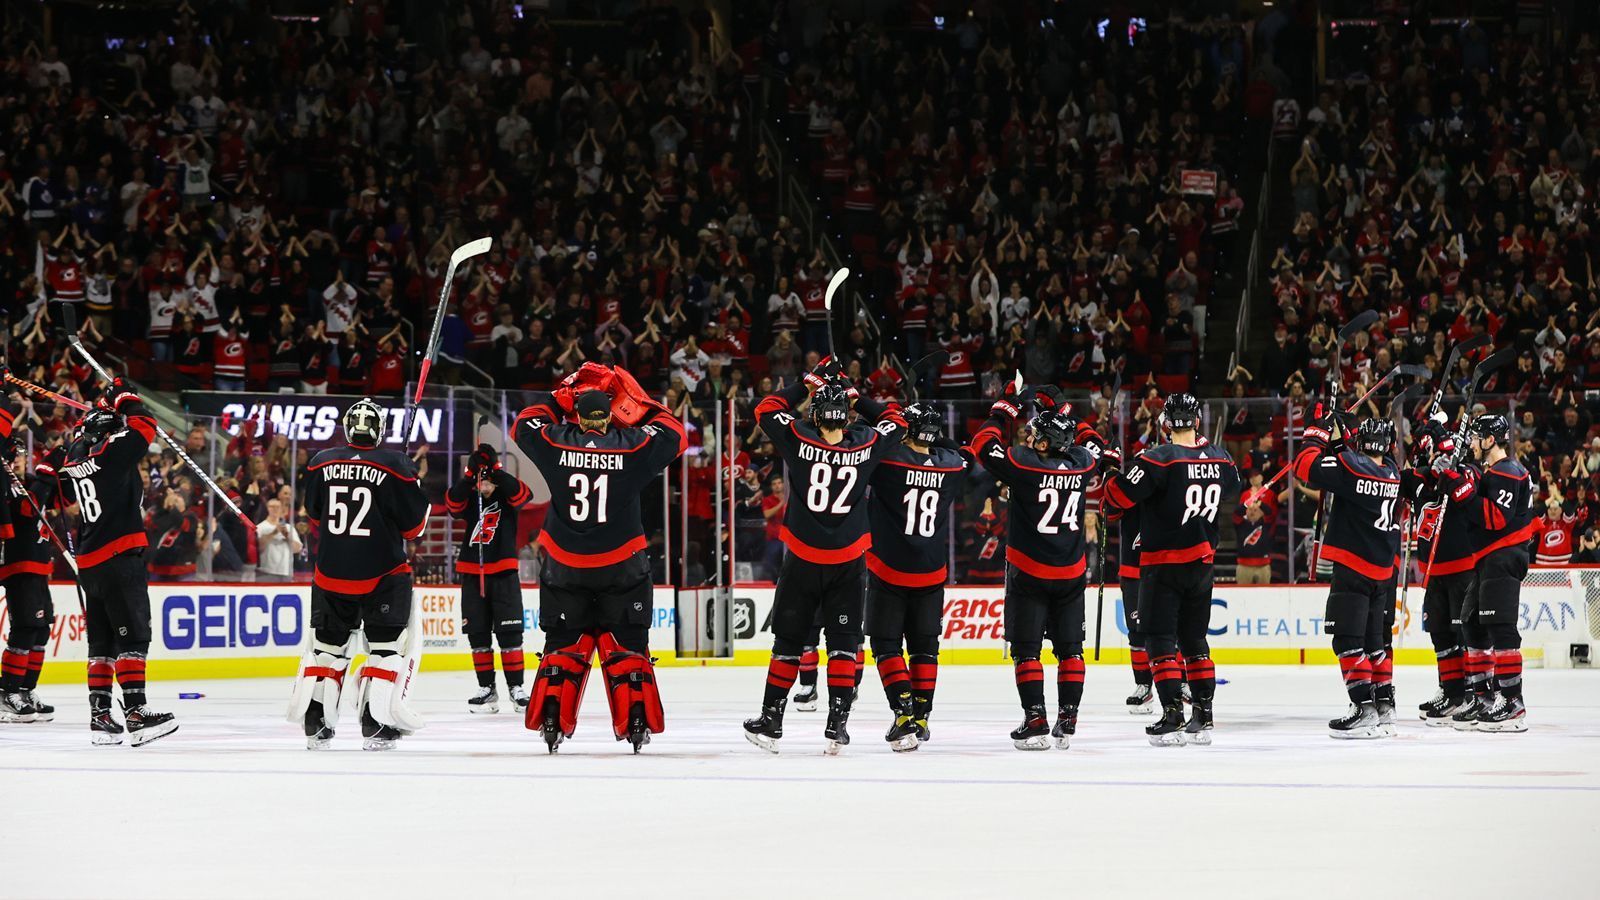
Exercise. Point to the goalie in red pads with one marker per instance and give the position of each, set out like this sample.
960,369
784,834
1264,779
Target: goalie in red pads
598,440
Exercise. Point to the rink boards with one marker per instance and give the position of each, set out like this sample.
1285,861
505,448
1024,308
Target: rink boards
206,630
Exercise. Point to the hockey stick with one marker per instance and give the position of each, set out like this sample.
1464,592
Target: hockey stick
926,366
462,254
1448,372
834,283
1105,523
1396,412
45,393
1335,381
70,316
477,476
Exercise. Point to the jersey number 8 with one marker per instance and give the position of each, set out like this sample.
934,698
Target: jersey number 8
1201,500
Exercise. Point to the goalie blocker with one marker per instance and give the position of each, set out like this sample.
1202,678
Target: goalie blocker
598,440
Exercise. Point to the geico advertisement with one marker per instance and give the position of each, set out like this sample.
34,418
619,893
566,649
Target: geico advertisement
202,621
1272,617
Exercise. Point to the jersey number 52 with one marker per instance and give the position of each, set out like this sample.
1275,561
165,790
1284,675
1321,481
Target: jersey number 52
340,521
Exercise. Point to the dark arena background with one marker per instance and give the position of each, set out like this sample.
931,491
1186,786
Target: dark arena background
1286,305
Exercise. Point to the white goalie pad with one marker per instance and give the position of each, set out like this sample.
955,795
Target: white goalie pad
386,681
321,678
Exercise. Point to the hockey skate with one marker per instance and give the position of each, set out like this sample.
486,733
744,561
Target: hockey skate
376,736
14,707
1066,727
104,729
1438,712
638,728
1198,729
1466,718
550,726
1167,731
1510,716
902,733
766,729
485,702
519,696
1141,701
1383,701
834,731
42,711
1034,732
146,725
921,707
806,700
1435,700
1359,723
319,734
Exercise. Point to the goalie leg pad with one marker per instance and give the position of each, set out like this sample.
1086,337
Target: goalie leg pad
321,678
562,676
630,679
386,682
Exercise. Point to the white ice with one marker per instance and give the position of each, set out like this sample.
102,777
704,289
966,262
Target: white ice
232,806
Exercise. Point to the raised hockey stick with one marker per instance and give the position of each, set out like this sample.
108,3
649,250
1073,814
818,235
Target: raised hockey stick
1335,381
77,344
44,392
834,283
462,254
926,366
1397,412
477,428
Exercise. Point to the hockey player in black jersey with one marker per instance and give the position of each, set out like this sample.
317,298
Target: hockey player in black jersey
1444,550
598,440
1362,541
828,463
366,502
1048,474
99,473
1179,487
25,567
907,567
1499,514
486,499
1143,695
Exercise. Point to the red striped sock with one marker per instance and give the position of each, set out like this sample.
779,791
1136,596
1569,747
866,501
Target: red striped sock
1382,668
844,668
1167,675
1141,665
102,671
1069,681
894,674
13,667
1508,672
781,673
130,677
511,663
1030,682
1479,670
861,665
1357,670
30,680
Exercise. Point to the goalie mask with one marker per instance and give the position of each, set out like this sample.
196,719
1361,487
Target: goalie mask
363,424
1375,436
924,424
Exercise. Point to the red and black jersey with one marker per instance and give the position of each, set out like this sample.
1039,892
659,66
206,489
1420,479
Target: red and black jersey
1128,544
596,479
1255,538
27,546
365,504
909,513
1455,553
1179,489
1555,544
1045,536
1499,514
174,539
490,544
103,480
825,520
1363,530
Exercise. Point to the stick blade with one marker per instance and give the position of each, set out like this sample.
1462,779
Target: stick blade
1493,363
834,283
470,249
1413,370
1358,324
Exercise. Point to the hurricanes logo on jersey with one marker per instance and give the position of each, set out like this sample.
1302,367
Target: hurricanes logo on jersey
487,526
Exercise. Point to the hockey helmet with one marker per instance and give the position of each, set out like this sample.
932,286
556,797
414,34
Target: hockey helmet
1375,436
1056,430
1181,411
1493,426
363,423
96,425
830,405
924,424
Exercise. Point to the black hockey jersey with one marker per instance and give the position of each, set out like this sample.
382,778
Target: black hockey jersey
825,520
1179,490
1363,531
1045,535
596,480
175,543
1128,543
365,503
909,511
27,547
103,480
1499,514
490,545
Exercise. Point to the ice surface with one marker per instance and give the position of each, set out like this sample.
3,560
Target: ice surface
232,806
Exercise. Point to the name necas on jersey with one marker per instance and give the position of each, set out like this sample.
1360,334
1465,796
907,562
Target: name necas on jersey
908,510
1500,515
825,520
1179,490
1363,530
596,480
366,503
103,479
490,544
1045,536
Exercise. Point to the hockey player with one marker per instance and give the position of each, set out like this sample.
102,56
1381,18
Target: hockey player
25,567
1048,474
1362,541
366,502
1179,487
1140,700
598,440
1450,575
100,474
829,462
487,498
908,509
1499,513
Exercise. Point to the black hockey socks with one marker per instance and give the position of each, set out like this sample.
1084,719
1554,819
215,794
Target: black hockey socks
808,668
1030,683
483,663
844,672
130,677
1202,677
781,673
924,675
1069,681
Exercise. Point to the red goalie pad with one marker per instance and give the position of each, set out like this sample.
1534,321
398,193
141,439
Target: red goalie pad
630,679
562,676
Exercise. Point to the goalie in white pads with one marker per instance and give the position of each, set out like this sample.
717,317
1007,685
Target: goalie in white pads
365,502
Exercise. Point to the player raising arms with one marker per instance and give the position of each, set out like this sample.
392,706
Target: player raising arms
1048,473
366,503
1178,487
598,440
828,462
908,509
487,498
25,567
1362,541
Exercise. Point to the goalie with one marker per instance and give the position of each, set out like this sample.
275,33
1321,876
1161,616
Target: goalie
598,440
366,503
